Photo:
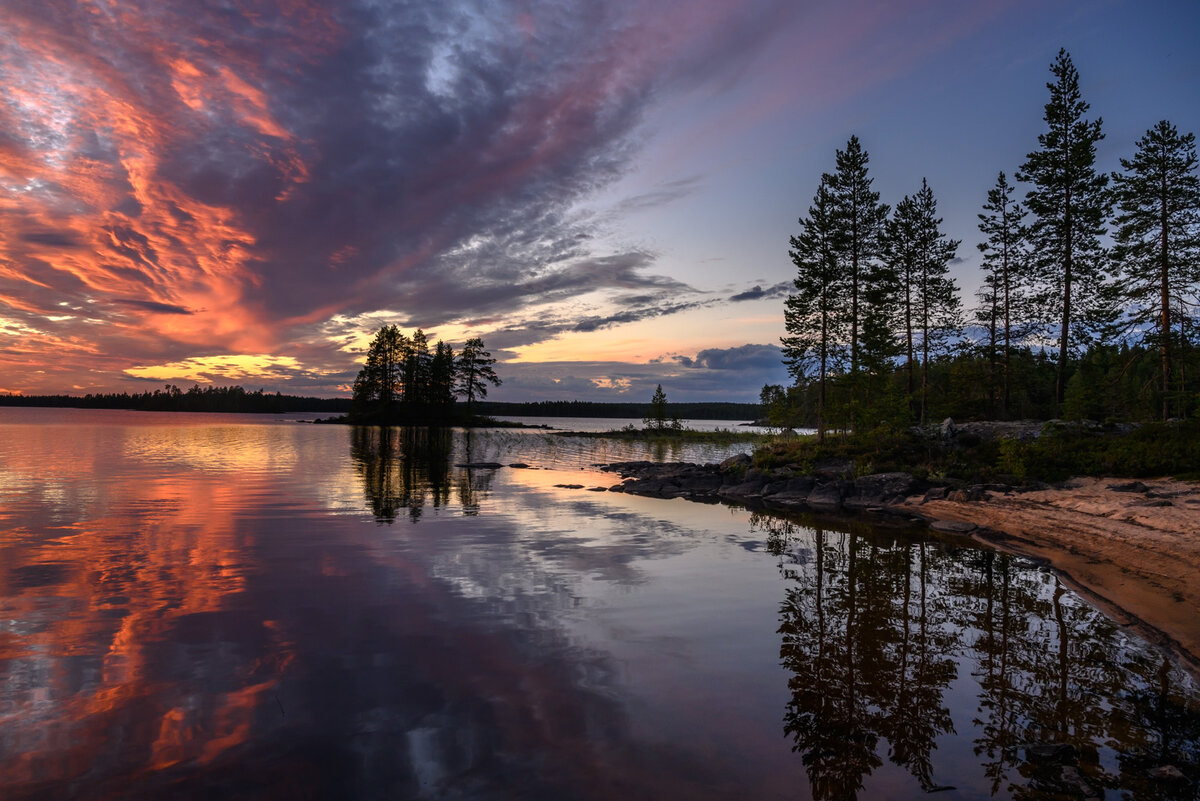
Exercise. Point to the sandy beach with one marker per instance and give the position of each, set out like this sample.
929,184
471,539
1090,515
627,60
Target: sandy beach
1133,547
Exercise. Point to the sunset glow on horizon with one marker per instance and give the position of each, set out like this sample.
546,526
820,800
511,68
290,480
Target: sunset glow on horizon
241,193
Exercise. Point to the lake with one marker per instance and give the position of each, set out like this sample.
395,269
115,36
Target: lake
208,606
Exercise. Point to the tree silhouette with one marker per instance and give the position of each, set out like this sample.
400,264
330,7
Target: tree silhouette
815,315
1158,242
1069,201
1005,284
658,418
475,372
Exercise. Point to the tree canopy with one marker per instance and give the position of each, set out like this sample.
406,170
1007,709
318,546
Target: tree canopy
873,301
402,381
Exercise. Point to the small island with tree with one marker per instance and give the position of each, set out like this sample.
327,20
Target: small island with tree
404,381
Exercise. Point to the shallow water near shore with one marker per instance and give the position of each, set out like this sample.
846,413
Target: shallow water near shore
196,606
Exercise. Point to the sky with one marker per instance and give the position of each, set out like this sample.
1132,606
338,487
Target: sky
243,191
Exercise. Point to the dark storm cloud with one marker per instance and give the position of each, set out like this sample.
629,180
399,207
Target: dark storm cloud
242,174
366,147
445,143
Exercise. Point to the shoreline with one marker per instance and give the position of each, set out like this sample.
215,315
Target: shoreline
1132,548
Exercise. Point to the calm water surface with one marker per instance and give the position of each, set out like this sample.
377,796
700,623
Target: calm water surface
199,606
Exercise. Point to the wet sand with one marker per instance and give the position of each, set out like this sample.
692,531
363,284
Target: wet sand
1134,552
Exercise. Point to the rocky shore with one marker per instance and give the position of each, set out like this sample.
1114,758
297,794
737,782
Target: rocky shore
1133,547
831,488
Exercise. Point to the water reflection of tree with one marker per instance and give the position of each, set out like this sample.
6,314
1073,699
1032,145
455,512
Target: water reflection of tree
996,721
868,648
1059,683
402,468
471,485
875,625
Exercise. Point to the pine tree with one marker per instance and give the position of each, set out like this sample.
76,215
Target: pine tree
417,370
475,372
918,255
1069,201
937,308
1158,240
441,377
858,219
815,316
378,386
1003,294
900,253
658,418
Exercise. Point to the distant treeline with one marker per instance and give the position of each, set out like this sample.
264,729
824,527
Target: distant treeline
237,399
197,399
688,411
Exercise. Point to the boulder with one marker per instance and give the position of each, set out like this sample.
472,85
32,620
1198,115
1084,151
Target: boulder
747,490
834,469
880,489
828,497
739,461
701,483
794,495
936,494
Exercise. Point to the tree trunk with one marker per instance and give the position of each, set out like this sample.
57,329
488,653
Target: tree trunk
1060,389
1007,318
1165,321
821,389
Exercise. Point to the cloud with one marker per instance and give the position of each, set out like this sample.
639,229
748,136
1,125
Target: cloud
717,374
262,170
758,293
740,359
60,239
154,306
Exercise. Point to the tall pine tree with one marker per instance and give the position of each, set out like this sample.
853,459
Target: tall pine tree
900,253
1069,201
815,316
1158,241
1003,310
938,309
859,218
474,372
